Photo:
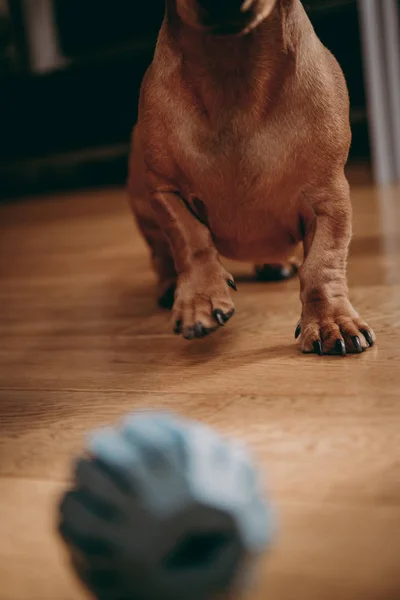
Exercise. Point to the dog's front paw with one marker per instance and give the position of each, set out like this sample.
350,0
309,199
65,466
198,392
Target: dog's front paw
333,328
203,301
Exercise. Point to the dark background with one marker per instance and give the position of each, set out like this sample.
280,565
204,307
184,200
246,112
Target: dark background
70,127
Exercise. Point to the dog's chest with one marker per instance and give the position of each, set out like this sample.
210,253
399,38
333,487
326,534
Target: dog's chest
211,156
235,178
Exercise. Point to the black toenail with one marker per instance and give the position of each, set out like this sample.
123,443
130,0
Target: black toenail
340,348
317,348
357,344
228,315
298,331
219,317
178,327
368,336
189,333
199,330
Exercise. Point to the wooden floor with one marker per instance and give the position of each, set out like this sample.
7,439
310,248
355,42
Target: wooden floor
82,344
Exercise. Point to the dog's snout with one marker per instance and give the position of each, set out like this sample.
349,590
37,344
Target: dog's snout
224,17
218,10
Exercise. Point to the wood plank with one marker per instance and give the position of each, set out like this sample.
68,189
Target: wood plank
83,344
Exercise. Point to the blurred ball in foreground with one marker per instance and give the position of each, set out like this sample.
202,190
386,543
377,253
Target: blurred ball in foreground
164,509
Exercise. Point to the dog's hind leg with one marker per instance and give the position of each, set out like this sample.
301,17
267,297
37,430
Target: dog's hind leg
275,272
281,271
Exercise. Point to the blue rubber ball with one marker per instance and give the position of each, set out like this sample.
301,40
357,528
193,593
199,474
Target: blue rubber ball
163,508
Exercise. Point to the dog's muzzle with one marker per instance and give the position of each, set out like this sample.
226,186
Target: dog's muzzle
225,16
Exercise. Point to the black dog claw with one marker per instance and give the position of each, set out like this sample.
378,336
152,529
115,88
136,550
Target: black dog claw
199,330
178,327
317,348
357,344
340,348
368,336
298,331
228,315
219,317
189,333
222,317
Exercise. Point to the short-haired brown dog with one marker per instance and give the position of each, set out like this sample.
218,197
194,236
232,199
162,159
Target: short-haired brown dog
239,151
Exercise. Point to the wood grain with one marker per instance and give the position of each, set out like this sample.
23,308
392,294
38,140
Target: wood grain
82,344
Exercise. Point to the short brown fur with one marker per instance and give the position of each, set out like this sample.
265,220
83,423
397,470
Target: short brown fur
239,151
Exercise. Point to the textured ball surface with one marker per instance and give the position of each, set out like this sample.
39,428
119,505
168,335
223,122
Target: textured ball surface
164,509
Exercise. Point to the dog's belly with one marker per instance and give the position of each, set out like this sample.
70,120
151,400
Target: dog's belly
265,251
273,244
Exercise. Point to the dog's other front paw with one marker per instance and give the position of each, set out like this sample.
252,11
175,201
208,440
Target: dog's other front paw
333,328
203,301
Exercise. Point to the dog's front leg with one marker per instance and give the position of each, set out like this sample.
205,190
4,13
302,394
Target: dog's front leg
329,324
202,299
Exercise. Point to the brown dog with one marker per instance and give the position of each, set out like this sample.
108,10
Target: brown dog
239,150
